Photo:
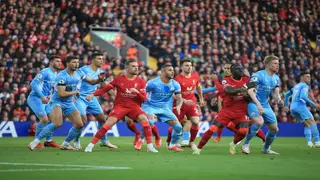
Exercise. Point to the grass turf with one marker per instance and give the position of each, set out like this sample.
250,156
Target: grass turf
296,162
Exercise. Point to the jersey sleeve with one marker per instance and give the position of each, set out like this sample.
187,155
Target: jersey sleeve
37,83
277,81
61,80
177,87
286,98
255,78
305,94
149,86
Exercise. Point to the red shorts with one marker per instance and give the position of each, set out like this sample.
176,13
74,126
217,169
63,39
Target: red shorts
186,110
120,112
226,116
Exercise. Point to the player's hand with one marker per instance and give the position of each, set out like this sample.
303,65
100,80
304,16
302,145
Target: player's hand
89,97
44,100
201,103
188,102
178,108
214,101
318,106
77,93
260,110
134,90
101,76
286,109
214,77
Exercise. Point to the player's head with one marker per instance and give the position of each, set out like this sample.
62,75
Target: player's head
167,71
305,77
132,67
237,70
55,62
97,59
227,70
272,63
186,66
72,62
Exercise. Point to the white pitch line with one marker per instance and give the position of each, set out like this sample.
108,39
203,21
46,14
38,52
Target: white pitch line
77,167
60,169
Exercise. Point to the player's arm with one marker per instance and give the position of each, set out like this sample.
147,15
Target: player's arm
178,96
142,95
199,90
287,97
311,96
103,90
61,87
92,81
208,90
304,96
36,84
217,84
219,104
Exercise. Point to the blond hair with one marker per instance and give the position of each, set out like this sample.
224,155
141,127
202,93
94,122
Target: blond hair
269,59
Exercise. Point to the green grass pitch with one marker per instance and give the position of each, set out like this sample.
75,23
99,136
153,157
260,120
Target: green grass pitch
296,162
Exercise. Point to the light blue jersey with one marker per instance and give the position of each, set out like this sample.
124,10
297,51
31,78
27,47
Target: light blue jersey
265,85
93,107
299,102
41,86
72,83
159,95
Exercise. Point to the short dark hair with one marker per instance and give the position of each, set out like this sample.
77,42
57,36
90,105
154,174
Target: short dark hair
52,57
166,65
70,58
95,54
185,61
129,62
304,72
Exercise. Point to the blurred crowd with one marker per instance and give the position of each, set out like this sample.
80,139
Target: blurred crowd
208,32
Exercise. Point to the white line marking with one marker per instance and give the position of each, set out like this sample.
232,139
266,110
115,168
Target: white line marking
75,167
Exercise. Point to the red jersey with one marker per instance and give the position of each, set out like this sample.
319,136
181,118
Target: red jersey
236,102
188,85
125,97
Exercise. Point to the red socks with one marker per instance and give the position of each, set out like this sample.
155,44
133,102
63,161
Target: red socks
100,133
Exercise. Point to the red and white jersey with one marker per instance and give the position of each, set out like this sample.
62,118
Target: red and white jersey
188,85
236,102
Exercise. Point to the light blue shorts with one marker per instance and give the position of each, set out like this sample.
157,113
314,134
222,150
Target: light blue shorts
163,114
301,113
37,107
268,116
67,107
92,107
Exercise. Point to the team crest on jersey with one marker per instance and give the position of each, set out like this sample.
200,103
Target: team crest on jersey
193,81
254,79
61,81
41,114
224,82
253,113
172,89
39,76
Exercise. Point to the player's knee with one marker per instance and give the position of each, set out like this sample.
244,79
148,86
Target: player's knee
274,130
57,123
243,131
44,120
84,119
151,123
213,128
177,128
258,121
145,124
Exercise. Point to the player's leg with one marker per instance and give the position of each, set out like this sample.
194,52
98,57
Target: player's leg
56,119
95,109
271,123
240,134
118,112
208,134
219,133
186,127
254,128
141,117
154,130
307,129
183,120
193,114
39,110
132,127
49,142
82,106
73,115
314,130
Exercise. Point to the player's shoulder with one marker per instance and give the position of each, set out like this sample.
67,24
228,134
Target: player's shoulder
179,76
62,73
